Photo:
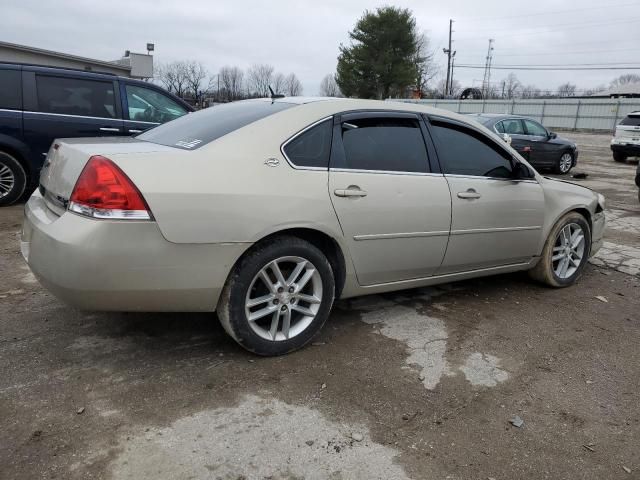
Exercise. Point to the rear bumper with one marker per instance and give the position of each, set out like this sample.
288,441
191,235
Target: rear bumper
122,265
628,149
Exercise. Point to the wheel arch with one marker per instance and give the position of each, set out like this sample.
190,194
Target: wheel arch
326,243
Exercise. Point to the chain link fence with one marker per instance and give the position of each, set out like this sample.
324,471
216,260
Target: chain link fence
601,114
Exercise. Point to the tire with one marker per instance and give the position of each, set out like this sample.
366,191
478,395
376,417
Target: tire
564,163
549,271
619,157
246,282
13,179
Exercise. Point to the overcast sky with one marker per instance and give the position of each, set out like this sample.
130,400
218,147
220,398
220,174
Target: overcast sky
303,36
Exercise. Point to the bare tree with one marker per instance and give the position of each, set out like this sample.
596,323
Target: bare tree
530,91
293,86
329,86
454,91
624,79
594,90
196,74
279,83
173,76
259,78
566,90
426,69
231,80
511,86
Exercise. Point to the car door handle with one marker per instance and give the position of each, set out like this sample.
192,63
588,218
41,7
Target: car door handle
133,130
470,194
350,192
109,129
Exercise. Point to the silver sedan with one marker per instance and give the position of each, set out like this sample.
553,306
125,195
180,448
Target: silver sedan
266,211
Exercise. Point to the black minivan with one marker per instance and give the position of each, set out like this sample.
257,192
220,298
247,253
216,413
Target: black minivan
39,104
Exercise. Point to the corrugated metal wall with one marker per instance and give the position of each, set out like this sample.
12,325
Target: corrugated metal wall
572,114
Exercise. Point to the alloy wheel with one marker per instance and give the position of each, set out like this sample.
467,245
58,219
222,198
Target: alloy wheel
566,162
283,298
7,180
568,251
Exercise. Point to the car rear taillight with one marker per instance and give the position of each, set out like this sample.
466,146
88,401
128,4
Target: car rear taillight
105,191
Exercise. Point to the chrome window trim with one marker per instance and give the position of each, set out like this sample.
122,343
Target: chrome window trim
140,121
523,180
386,172
10,110
296,135
73,116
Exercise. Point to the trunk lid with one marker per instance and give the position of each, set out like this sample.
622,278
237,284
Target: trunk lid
68,156
628,132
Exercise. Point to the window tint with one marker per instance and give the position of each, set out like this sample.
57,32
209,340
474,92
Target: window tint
200,128
10,89
312,147
534,128
633,121
73,96
512,127
389,144
499,127
148,105
463,151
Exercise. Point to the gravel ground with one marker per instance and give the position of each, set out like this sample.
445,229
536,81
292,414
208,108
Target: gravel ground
419,384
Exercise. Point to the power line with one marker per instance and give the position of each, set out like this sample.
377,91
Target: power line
568,52
608,6
558,67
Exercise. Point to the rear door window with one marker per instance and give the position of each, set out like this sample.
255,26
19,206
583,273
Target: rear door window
384,144
464,151
312,147
195,130
75,96
10,89
512,126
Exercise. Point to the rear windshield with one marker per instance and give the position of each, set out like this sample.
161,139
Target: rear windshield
632,120
194,130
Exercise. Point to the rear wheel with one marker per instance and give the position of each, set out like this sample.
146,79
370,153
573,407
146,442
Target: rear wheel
13,179
278,296
565,253
565,163
619,157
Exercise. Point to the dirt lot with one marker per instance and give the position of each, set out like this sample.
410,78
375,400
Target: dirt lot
415,385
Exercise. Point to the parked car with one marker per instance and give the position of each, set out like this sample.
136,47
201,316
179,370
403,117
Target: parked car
626,140
638,180
268,210
38,104
542,148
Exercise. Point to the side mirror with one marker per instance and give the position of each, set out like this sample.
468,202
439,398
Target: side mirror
523,172
506,138
553,135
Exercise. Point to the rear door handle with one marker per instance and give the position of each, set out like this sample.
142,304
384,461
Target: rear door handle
470,194
109,129
133,130
350,192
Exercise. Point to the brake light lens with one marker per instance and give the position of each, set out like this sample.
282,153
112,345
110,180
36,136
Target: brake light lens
103,190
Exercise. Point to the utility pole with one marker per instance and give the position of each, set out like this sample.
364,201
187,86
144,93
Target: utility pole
453,61
449,55
487,70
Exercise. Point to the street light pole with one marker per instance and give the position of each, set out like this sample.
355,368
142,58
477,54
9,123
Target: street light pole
448,52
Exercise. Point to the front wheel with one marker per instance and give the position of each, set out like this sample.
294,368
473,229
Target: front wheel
278,296
13,179
565,163
619,157
565,252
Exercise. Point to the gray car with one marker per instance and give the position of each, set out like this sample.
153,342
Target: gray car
541,148
266,211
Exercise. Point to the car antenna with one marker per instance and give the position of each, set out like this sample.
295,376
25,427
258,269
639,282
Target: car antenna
274,95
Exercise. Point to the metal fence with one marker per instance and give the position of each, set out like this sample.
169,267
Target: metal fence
568,114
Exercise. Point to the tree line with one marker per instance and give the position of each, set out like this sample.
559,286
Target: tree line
190,80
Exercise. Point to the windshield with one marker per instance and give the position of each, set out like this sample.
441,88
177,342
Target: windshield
197,129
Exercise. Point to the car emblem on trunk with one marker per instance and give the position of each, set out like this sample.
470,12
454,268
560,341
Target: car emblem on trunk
272,162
